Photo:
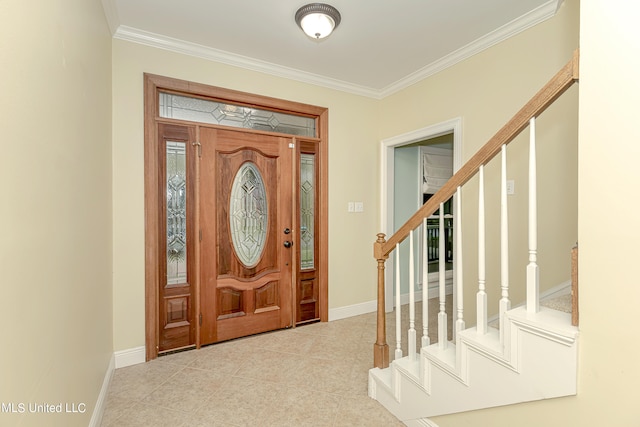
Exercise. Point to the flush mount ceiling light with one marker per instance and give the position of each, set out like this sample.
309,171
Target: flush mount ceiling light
317,20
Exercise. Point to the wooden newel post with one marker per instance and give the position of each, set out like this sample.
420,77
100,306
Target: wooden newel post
380,348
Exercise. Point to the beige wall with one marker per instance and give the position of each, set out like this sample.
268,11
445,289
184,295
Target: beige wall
609,177
352,175
486,91
55,170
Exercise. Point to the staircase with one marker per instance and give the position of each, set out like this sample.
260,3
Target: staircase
530,355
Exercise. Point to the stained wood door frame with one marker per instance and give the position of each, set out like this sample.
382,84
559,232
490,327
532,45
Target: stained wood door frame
153,85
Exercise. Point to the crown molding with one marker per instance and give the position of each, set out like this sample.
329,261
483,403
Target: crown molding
221,56
542,13
524,22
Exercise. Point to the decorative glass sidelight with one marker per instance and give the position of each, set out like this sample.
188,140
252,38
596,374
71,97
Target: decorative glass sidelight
248,214
176,186
182,107
307,210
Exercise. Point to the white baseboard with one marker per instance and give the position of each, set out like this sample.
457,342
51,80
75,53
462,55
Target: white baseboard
352,310
563,288
98,410
372,306
434,292
131,356
422,422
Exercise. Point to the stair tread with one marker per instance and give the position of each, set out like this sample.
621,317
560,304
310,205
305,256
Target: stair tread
547,319
407,363
561,303
489,341
383,375
445,357
411,367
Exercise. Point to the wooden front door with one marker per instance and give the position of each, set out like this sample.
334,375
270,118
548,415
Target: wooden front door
245,215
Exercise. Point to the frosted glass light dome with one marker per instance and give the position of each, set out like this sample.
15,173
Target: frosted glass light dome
317,25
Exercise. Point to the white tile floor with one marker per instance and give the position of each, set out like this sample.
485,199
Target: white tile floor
314,375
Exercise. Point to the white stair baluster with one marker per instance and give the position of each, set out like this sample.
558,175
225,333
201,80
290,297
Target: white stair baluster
412,302
457,259
425,285
505,304
442,315
481,298
533,273
398,353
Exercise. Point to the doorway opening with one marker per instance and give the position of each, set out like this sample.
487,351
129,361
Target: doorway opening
404,188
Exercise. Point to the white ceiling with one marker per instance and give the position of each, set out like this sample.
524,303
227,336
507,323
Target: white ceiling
380,46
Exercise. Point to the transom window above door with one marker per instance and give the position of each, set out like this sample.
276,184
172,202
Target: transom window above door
173,106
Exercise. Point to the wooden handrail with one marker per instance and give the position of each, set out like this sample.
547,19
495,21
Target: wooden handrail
562,81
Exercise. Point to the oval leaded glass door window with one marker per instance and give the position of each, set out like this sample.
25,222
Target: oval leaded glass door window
248,214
